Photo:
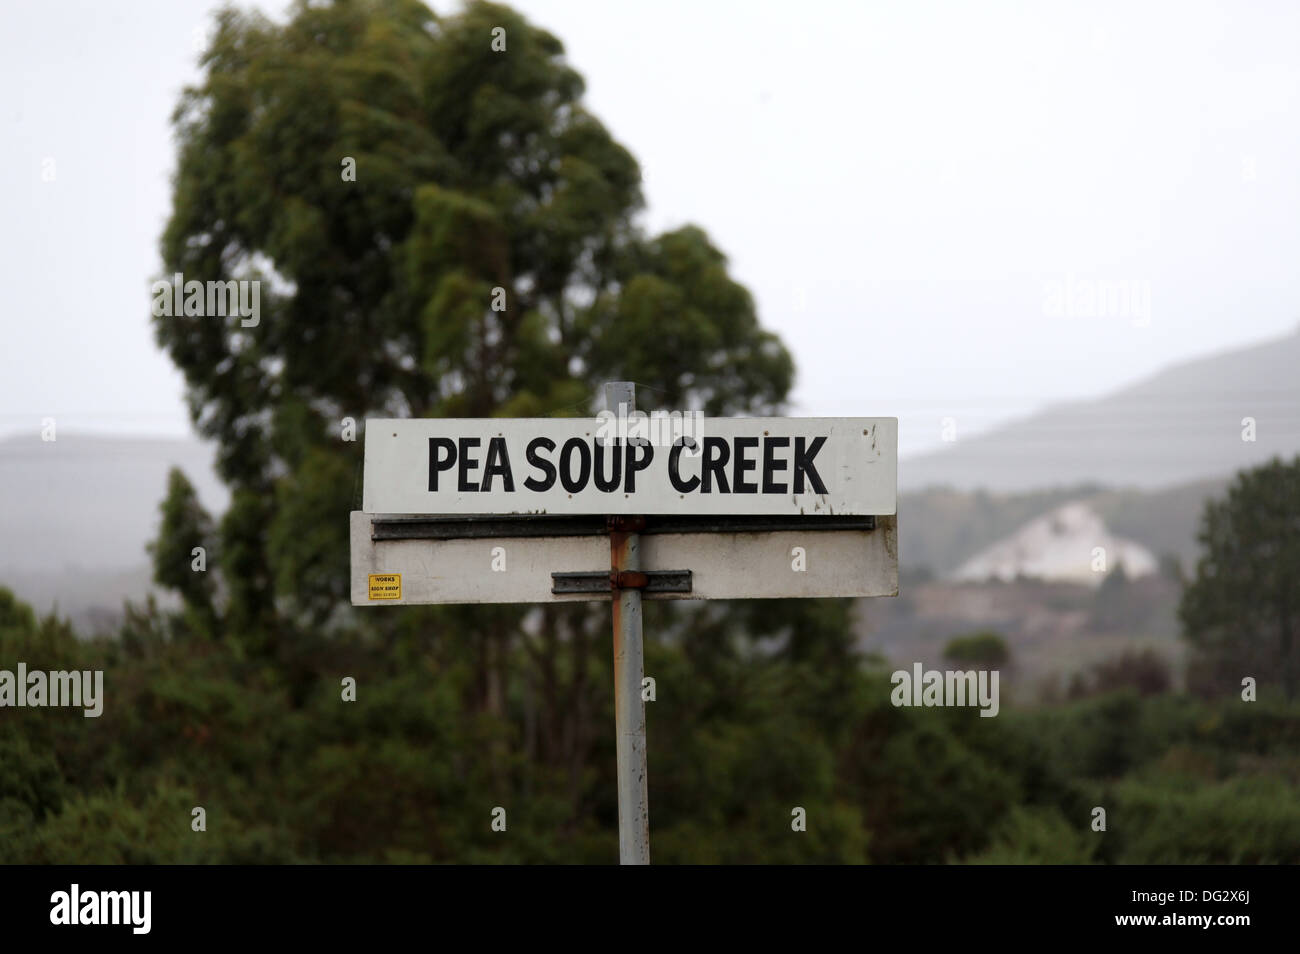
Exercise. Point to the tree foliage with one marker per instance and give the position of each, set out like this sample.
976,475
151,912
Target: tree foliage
480,179
985,648
1241,610
185,526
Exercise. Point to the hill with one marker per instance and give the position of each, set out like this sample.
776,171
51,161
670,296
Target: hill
940,529
1181,425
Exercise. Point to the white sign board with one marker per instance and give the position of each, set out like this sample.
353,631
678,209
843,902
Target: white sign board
773,466
786,563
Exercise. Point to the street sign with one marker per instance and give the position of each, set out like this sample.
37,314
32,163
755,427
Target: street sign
405,560
784,466
620,508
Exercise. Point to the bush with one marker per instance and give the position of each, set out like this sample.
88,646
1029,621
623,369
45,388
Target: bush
979,649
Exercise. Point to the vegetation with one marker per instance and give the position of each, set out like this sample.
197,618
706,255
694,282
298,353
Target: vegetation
409,773
1241,610
985,649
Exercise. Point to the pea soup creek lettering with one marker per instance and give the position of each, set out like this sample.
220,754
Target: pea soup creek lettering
738,465
730,466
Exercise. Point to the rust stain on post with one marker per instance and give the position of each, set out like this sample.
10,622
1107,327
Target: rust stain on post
625,577
626,581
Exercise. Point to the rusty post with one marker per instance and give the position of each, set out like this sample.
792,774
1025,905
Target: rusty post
629,667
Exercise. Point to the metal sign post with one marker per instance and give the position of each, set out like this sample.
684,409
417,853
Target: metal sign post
500,510
629,667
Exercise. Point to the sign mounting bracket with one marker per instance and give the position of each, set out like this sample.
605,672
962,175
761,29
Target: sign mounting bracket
607,581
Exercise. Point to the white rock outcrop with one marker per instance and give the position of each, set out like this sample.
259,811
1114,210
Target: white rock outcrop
1059,546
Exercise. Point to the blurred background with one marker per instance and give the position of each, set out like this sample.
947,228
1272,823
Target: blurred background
1058,242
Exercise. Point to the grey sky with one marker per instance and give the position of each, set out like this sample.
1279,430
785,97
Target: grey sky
897,183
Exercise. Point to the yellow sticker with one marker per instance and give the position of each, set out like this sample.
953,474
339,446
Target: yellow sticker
385,586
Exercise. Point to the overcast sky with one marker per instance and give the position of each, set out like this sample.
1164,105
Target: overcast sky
905,187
